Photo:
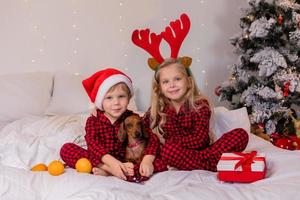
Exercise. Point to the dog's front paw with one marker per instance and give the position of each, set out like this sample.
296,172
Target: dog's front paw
137,179
143,178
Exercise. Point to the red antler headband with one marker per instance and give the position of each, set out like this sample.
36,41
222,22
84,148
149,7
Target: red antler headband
174,35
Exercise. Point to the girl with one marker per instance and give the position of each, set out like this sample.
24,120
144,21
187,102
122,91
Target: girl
111,91
181,115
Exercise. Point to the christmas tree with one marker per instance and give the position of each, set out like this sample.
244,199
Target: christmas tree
266,76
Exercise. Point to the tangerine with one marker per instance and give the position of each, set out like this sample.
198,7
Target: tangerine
56,168
83,165
39,167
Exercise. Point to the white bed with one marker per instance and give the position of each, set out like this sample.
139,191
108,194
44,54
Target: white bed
29,138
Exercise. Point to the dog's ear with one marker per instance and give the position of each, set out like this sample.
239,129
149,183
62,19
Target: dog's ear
144,130
122,132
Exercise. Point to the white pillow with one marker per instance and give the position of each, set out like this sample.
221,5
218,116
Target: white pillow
24,94
69,96
225,120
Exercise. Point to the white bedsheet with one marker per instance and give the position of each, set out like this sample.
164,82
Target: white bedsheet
282,181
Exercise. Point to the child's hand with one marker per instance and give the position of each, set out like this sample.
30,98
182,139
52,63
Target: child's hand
94,112
146,166
146,169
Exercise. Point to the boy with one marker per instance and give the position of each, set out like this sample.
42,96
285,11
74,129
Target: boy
110,90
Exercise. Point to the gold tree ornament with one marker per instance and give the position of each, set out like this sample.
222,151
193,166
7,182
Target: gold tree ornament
250,17
259,131
246,35
296,126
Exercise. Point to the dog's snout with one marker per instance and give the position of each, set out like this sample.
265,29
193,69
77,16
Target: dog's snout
138,134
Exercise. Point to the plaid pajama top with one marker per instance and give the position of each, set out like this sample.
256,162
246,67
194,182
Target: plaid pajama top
187,143
102,137
188,127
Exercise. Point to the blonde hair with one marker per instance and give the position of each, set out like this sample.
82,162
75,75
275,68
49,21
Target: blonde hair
159,101
124,87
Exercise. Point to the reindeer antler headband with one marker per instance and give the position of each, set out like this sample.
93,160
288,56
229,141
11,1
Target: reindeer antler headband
174,35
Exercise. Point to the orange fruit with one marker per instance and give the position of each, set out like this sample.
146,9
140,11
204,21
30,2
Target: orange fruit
56,168
39,167
83,165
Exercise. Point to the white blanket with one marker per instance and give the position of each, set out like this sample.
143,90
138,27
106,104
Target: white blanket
34,140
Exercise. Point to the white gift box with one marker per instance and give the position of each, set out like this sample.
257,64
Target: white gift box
241,167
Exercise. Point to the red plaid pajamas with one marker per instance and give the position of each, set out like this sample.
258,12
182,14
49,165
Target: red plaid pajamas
102,138
187,145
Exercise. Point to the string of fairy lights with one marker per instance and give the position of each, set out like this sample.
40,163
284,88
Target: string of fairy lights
42,36
75,28
36,29
122,20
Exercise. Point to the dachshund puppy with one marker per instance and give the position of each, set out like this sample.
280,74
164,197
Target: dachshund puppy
133,135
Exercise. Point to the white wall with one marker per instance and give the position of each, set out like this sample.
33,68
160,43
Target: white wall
86,35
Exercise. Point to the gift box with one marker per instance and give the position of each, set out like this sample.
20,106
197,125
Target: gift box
241,167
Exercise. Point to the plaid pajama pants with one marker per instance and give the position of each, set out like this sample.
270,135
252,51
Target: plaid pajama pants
175,155
71,152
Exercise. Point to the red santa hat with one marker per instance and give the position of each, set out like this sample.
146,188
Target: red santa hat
99,83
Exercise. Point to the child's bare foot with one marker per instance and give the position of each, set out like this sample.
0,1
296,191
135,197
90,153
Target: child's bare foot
98,171
130,168
171,168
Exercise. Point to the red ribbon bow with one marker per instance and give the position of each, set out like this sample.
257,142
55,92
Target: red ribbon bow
246,160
